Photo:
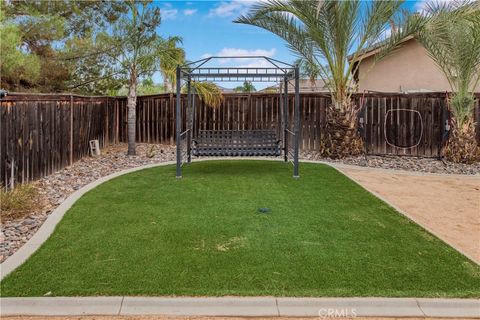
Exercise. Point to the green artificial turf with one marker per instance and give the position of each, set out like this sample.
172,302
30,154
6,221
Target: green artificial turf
147,233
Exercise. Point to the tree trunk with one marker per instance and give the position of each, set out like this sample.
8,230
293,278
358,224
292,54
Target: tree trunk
462,146
342,138
168,85
131,105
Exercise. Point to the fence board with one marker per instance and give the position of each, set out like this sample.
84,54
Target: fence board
36,132
41,134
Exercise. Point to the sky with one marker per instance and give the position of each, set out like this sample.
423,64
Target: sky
206,28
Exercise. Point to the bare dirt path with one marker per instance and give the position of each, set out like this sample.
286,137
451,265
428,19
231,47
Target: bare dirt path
448,206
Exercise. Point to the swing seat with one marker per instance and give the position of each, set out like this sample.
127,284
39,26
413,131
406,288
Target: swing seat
236,143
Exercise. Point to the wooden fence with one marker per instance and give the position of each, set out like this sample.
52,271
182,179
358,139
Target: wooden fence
404,124
407,124
43,133
398,124
40,134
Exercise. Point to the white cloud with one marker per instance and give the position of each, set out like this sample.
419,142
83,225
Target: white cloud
189,12
244,62
422,5
227,9
168,14
231,8
255,63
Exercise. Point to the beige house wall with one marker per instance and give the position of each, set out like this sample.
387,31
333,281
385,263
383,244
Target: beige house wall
407,69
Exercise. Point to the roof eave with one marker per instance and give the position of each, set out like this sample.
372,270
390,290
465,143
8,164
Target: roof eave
373,51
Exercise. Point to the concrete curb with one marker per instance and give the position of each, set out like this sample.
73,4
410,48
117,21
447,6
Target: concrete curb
241,307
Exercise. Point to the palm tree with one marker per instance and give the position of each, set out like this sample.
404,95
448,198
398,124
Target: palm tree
137,51
308,70
246,87
208,92
168,66
324,34
451,36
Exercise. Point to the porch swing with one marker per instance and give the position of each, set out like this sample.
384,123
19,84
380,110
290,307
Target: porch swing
236,143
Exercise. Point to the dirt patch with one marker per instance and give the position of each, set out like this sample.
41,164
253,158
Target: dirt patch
232,243
448,206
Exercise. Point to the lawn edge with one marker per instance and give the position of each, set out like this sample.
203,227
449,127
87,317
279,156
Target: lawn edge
49,226
402,212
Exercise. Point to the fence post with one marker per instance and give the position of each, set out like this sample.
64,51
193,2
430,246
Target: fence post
106,136
12,175
71,130
117,121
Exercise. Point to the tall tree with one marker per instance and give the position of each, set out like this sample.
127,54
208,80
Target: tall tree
246,87
146,87
168,67
89,71
18,66
45,27
208,92
324,33
137,51
308,70
451,36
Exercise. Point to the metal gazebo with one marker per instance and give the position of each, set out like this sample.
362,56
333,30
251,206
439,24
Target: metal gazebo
237,142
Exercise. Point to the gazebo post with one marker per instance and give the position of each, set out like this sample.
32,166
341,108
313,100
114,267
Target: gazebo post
297,123
189,121
285,118
193,113
178,116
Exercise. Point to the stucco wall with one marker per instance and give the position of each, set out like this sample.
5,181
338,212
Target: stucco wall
407,69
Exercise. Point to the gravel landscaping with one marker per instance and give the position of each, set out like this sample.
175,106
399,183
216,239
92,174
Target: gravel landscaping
54,189
416,164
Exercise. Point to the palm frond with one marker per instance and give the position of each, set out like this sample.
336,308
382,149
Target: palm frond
451,36
324,33
308,70
208,92
285,26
